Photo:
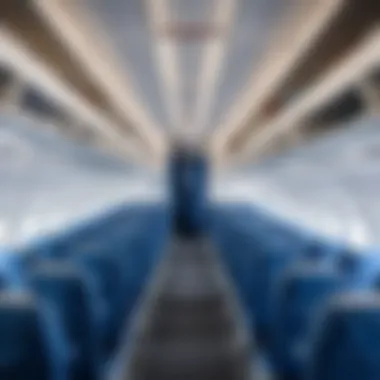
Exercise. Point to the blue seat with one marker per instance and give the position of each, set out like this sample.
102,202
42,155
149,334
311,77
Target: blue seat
10,270
28,345
266,271
108,273
136,261
188,174
58,247
63,288
359,269
239,254
66,243
317,251
348,344
237,248
150,219
302,292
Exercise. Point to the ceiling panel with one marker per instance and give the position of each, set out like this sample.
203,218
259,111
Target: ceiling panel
127,25
253,28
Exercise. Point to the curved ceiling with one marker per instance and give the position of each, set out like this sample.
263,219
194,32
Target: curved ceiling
245,25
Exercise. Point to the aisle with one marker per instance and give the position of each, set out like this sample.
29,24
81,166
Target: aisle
189,326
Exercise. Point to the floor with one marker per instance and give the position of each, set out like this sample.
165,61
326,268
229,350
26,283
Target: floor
189,325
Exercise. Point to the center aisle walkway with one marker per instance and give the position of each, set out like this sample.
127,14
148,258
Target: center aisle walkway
189,326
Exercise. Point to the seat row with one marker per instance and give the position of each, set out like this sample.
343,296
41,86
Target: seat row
66,300
312,304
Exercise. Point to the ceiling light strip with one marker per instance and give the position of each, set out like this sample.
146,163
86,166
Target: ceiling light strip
159,14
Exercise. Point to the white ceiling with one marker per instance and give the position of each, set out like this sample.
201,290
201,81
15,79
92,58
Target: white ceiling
126,23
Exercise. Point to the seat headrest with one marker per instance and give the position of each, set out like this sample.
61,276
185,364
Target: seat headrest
17,300
56,269
349,262
307,279
356,301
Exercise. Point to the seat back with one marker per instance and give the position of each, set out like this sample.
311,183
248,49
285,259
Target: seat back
64,289
23,351
359,269
10,270
348,346
188,174
266,271
302,293
108,274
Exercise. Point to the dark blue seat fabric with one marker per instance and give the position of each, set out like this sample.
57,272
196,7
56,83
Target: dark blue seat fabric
23,349
255,261
152,223
348,344
359,269
285,277
302,293
136,257
136,261
188,173
62,246
321,251
266,272
66,243
237,248
136,253
108,273
11,274
63,288
58,345
236,243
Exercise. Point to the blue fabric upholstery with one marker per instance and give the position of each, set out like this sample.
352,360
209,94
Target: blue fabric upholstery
266,272
86,281
136,262
359,269
301,294
348,344
11,274
23,350
58,345
285,276
108,273
62,287
188,182
320,251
